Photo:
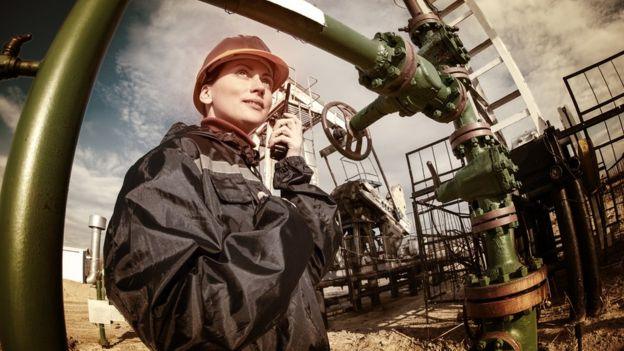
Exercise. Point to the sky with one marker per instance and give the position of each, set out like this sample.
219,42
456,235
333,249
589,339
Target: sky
146,79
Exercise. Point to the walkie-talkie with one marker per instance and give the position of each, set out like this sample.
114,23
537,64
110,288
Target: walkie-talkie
278,150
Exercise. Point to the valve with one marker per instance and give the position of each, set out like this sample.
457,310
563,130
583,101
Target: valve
344,138
12,66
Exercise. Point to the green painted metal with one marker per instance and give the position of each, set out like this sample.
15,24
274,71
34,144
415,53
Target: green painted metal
486,181
34,189
489,173
439,43
99,289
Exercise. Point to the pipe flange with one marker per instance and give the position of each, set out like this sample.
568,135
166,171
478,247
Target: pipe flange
468,132
416,22
455,113
494,219
507,306
506,289
493,214
407,72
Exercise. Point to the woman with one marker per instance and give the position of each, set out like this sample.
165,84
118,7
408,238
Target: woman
198,255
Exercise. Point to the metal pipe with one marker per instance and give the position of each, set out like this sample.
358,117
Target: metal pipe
417,7
574,269
11,65
100,296
587,248
34,189
413,8
331,173
97,224
381,106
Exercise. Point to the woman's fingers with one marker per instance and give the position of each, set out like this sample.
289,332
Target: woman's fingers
283,130
280,139
288,130
291,123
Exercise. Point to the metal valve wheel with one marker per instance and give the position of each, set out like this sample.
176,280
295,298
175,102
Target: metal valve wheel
346,141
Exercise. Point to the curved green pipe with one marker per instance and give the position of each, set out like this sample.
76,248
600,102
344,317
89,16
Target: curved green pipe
36,180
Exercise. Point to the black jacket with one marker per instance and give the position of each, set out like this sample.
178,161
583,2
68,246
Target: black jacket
199,257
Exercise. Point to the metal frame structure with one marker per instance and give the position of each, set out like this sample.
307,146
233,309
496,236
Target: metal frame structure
576,175
597,92
447,247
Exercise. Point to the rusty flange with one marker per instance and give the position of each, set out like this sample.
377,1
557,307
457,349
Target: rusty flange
460,107
468,132
423,18
506,289
507,306
493,219
407,72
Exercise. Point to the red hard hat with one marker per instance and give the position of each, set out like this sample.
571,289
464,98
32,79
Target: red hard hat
240,46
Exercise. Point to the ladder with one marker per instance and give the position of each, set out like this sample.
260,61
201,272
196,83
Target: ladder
458,11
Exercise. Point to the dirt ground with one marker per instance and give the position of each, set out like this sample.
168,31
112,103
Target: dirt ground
398,325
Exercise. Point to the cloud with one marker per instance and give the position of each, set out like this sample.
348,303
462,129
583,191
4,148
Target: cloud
95,182
551,39
11,106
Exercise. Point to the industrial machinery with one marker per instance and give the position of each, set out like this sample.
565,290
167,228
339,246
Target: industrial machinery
375,254
503,300
576,173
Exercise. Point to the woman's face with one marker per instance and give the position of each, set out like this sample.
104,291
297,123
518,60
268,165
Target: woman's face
241,93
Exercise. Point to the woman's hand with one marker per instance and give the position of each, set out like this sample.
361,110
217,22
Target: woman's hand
288,131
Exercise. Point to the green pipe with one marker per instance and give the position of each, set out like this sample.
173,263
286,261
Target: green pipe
333,37
34,189
380,107
99,289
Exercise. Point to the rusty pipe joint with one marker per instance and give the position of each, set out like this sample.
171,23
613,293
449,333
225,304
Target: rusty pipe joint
97,225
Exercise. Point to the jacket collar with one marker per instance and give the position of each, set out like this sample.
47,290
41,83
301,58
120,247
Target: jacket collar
233,136
216,124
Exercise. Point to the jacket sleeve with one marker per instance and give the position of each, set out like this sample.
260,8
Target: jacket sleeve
292,177
179,278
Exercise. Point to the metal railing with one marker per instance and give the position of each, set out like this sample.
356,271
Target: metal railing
597,92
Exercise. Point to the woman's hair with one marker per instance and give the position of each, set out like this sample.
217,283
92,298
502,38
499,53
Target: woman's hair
212,76
210,79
